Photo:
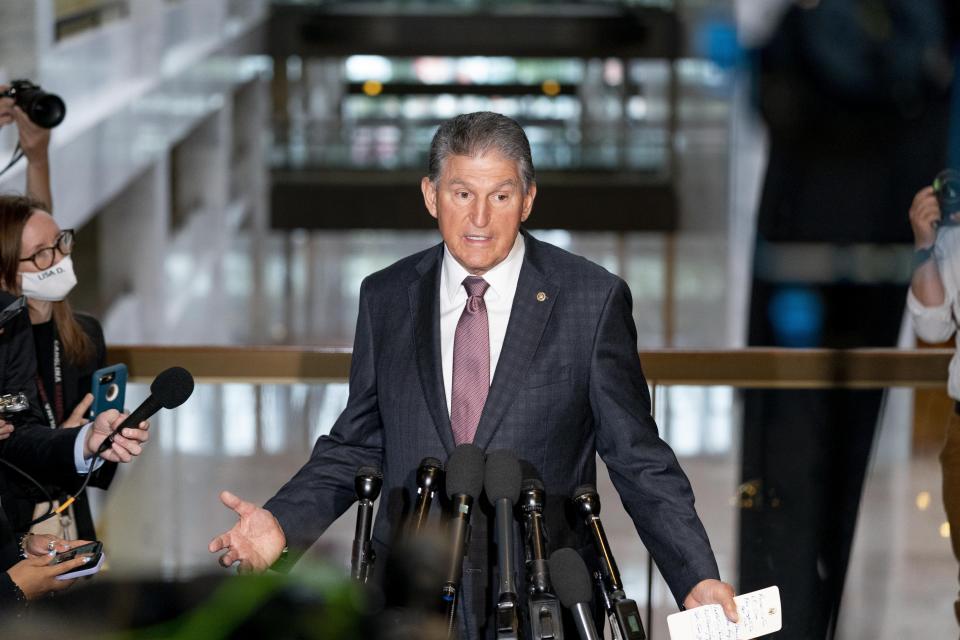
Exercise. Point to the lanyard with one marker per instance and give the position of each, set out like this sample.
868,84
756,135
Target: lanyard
54,413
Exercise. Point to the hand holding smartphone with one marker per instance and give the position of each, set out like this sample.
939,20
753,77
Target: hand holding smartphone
93,549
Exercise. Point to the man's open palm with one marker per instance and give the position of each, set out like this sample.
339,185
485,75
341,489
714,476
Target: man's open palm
256,541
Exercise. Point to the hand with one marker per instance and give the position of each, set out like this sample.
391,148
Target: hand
46,545
924,218
78,417
713,592
5,429
37,577
256,541
6,106
126,445
34,139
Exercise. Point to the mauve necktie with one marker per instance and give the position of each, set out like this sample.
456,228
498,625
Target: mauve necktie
471,362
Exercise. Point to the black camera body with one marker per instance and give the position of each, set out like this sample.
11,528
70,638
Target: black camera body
44,109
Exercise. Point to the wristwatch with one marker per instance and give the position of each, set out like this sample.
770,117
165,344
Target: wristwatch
920,256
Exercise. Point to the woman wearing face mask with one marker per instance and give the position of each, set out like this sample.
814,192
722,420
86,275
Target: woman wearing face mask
35,258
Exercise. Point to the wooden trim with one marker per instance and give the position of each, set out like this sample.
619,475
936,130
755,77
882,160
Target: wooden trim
746,368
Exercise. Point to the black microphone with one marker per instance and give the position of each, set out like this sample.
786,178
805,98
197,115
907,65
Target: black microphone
542,604
502,479
169,390
367,483
623,613
429,476
572,582
464,483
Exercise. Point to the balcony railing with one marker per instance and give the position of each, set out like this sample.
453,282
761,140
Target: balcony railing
743,368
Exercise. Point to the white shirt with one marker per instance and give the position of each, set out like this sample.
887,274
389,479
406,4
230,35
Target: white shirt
502,279
936,324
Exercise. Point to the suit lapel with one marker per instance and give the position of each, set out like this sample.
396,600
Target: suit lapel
531,310
424,295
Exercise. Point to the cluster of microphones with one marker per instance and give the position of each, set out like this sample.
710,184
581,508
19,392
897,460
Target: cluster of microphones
560,579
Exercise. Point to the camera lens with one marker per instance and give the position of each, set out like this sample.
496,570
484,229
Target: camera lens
946,186
47,110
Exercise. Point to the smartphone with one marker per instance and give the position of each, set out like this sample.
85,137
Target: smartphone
109,389
94,549
12,310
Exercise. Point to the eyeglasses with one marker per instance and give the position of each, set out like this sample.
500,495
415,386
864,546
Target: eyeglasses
44,258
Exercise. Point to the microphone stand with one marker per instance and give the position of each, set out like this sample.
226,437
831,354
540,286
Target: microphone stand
367,483
624,616
546,622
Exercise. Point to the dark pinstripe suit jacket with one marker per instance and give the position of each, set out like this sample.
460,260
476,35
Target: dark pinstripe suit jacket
568,385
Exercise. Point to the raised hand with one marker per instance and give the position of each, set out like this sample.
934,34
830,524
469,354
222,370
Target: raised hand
34,139
713,592
924,218
256,541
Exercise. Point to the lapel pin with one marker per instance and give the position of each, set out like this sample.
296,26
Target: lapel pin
541,296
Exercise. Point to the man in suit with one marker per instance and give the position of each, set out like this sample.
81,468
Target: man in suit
498,339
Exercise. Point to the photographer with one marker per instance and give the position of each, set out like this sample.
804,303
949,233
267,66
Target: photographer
934,305
34,140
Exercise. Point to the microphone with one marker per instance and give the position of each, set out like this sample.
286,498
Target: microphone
572,581
623,613
367,483
502,480
429,476
169,390
464,483
543,606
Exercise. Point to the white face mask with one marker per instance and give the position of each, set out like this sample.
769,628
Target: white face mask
51,285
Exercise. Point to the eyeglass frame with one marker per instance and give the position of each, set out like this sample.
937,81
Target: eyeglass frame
55,248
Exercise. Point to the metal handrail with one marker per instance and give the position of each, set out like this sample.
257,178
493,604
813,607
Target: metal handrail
746,368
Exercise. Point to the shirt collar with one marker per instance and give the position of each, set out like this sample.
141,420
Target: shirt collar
502,278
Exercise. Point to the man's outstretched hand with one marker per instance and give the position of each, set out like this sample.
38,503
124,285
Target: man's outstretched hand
256,541
713,592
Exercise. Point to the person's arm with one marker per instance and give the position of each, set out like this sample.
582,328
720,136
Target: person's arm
35,142
928,299
644,470
323,488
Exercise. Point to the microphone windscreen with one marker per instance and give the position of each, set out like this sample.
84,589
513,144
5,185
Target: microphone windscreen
502,477
533,484
583,490
571,580
465,471
172,387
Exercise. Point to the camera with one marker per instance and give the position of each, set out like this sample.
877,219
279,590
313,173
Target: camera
946,186
45,109
13,403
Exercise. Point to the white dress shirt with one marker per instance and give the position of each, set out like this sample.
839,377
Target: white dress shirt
936,324
502,279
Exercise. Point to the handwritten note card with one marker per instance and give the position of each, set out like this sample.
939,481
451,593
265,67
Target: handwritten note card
759,612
